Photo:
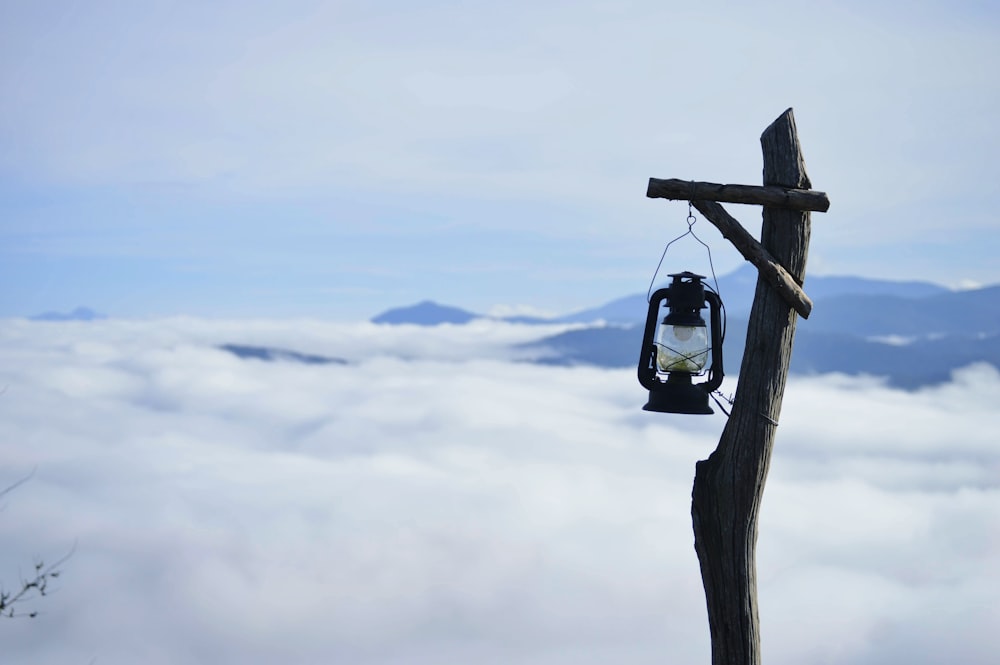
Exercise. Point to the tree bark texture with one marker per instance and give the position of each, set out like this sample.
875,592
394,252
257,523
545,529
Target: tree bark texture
777,196
729,485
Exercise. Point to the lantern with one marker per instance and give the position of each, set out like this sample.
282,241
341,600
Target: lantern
681,346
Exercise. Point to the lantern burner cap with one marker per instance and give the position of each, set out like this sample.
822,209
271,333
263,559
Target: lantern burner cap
686,293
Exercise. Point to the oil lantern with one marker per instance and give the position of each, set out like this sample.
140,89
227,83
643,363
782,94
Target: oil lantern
680,346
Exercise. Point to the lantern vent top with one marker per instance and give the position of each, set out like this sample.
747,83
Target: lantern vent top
686,275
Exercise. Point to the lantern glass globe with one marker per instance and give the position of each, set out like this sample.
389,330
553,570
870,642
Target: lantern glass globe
682,348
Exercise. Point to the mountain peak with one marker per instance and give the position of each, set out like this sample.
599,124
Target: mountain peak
425,313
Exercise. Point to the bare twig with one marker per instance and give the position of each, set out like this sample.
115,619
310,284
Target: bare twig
37,585
10,488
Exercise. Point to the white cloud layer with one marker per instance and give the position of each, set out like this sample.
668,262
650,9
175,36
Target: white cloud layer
433,502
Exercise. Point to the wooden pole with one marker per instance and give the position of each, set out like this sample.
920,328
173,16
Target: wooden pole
728,485
754,252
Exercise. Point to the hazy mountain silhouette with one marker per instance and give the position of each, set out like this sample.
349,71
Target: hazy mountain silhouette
921,362
736,288
910,339
953,312
426,313
78,314
911,332
271,354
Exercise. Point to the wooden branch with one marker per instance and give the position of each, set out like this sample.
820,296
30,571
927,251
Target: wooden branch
728,486
769,268
789,198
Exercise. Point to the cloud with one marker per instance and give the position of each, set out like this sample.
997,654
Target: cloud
435,502
530,102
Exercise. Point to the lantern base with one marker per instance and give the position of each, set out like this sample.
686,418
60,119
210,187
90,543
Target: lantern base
678,397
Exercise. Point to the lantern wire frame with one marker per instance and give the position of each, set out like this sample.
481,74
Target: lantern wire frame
691,221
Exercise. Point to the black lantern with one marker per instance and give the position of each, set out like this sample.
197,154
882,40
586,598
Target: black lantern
678,347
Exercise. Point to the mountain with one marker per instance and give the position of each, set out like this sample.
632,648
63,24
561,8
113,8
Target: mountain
909,366
78,314
270,354
426,313
627,310
737,291
926,361
913,333
604,346
429,313
820,288
736,288
951,313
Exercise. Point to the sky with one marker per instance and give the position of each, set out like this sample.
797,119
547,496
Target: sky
334,159
432,502
275,173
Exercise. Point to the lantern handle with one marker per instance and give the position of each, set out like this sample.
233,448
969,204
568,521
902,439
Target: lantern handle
722,305
715,371
691,220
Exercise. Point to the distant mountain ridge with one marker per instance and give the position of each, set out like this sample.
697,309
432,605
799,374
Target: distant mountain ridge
272,354
737,291
78,314
911,341
736,288
913,333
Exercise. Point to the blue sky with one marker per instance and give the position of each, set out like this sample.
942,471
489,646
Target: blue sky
335,159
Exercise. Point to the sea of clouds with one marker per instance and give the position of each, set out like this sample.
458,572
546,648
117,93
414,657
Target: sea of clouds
437,501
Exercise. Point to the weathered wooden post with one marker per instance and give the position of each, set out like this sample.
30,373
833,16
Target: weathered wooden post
728,486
